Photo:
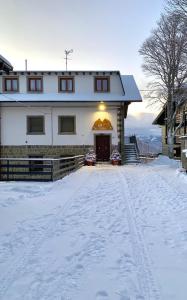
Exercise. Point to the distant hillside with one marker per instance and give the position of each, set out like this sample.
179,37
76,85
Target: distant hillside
151,144
148,135
141,125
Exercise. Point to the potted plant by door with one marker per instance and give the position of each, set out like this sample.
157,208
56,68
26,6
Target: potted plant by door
90,158
115,157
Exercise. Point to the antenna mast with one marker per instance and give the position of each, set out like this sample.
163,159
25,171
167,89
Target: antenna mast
25,64
67,52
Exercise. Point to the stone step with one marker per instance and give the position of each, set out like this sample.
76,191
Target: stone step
130,154
132,161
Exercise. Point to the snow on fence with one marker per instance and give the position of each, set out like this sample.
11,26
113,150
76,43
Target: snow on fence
38,169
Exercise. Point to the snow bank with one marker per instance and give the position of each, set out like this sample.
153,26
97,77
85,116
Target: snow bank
185,152
163,160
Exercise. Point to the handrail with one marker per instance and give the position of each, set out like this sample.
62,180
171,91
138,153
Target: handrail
40,159
12,168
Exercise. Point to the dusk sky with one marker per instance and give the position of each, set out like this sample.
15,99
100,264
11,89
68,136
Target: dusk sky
104,34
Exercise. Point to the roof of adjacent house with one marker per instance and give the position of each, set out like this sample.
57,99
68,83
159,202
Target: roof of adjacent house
5,65
131,92
160,119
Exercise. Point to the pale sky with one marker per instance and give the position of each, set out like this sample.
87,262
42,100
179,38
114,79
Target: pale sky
104,34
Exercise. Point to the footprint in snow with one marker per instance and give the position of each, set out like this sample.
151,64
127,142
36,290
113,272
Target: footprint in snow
184,233
79,267
124,295
102,295
124,298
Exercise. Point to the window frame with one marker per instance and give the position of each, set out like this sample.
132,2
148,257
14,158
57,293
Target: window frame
34,78
102,78
35,133
66,78
10,78
59,127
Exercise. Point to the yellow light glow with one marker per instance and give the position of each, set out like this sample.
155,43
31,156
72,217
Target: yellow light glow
102,106
100,115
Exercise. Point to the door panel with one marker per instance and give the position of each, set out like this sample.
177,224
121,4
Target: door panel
103,147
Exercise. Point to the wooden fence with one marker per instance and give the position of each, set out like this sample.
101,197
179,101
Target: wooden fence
38,169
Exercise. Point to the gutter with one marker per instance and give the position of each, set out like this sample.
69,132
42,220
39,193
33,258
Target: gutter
0,141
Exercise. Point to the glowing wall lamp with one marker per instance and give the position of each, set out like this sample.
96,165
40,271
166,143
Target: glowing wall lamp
102,106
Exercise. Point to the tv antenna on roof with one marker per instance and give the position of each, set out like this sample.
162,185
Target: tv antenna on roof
67,52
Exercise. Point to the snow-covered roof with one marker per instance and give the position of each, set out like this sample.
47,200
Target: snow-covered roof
130,88
131,94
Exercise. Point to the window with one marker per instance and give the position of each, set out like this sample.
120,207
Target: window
35,84
102,84
66,84
35,125
35,165
66,125
11,84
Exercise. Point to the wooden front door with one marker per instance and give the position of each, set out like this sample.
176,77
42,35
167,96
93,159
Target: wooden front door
103,147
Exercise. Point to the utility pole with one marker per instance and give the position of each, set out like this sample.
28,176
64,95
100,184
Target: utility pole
67,52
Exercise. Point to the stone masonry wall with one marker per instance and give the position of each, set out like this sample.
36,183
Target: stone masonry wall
46,151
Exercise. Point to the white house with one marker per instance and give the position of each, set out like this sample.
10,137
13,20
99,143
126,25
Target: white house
62,113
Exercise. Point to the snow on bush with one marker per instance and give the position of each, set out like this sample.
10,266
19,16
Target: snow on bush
115,155
90,156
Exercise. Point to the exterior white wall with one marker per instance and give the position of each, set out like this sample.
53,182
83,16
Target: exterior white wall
84,84
14,125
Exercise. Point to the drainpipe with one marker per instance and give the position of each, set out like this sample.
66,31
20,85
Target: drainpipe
51,126
122,131
0,139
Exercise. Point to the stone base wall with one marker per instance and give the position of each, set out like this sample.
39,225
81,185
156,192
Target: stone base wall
45,151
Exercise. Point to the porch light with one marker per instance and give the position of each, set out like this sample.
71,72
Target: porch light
102,106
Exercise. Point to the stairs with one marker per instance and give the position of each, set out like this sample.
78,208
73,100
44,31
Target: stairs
131,154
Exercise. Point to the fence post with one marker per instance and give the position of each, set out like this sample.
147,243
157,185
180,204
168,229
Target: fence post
8,170
52,167
76,163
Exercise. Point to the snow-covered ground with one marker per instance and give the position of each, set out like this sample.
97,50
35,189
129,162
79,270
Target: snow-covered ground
104,232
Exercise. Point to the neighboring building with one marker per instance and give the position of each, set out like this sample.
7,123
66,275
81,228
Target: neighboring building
63,113
5,65
161,121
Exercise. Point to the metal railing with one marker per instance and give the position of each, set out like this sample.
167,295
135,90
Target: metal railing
38,169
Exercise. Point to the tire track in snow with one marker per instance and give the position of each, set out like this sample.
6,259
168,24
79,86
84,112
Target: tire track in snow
111,200
19,262
107,201
92,251
171,203
147,281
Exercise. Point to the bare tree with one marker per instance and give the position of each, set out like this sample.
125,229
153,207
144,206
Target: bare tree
165,60
179,6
